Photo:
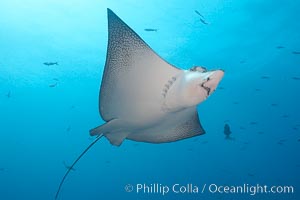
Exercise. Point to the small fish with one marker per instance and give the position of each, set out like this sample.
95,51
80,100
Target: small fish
280,143
282,140
296,78
243,61
2,169
242,128
260,132
296,52
236,103
250,174
298,140
243,148
55,79
68,129
151,29
8,95
257,90
274,104
53,85
221,88
227,131
68,167
50,63
284,116
198,13
190,149
295,128
280,47
265,77
203,21
72,107
253,123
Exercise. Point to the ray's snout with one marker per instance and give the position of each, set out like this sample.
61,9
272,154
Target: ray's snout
213,79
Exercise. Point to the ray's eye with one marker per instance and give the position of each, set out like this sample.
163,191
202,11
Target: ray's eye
203,69
193,69
198,69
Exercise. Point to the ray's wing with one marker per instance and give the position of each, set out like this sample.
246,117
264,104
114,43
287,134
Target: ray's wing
134,74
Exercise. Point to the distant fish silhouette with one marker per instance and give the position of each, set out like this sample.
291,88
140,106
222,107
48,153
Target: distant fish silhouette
257,90
242,128
53,85
68,128
280,47
198,13
253,123
151,29
190,149
265,77
281,142
250,174
72,107
243,61
50,63
227,131
55,79
202,19
2,169
296,52
8,95
298,140
221,88
284,116
274,104
296,78
260,132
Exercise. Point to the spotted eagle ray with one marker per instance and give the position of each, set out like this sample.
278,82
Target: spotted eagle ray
143,97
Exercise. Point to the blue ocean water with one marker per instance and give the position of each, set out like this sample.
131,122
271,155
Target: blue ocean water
46,111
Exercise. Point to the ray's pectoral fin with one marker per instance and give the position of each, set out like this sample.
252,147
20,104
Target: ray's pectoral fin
114,130
116,138
110,126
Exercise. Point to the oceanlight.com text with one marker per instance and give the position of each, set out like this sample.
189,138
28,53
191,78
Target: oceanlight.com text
190,188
